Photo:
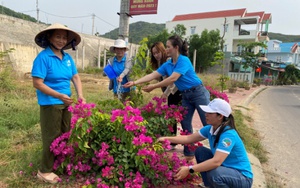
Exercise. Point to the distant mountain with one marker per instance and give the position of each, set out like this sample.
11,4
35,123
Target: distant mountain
284,38
139,30
9,12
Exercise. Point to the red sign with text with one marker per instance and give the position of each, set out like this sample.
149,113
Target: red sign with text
138,7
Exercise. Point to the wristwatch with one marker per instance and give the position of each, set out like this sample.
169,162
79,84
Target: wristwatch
191,170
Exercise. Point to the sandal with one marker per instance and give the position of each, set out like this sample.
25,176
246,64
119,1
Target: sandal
50,178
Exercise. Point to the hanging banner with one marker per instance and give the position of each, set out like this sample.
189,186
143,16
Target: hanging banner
138,7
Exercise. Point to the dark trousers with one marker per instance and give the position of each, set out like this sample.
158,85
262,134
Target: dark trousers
174,99
55,120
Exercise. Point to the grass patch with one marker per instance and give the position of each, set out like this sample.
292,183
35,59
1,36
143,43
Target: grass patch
249,136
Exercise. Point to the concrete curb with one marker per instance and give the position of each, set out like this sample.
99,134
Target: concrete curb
259,180
247,101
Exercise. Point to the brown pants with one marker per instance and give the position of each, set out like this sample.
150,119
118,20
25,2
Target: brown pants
55,120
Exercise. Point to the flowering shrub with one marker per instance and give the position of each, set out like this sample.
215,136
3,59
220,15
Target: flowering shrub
216,94
119,149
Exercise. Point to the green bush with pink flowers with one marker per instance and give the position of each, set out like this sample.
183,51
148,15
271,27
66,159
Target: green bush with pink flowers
119,149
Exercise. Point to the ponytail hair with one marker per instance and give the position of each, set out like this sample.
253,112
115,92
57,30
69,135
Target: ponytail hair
182,44
227,122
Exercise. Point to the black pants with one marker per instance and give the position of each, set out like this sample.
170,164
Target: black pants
174,99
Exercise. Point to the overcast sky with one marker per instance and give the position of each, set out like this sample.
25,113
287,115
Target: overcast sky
77,14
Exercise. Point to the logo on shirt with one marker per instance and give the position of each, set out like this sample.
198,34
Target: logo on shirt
68,63
226,142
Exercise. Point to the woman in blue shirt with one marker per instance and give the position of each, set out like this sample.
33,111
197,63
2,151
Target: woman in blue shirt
52,71
179,70
122,66
226,163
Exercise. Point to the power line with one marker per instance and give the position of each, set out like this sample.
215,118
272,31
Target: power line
106,22
66,16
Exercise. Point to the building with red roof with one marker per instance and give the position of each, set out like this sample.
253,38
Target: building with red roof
240,25
237,25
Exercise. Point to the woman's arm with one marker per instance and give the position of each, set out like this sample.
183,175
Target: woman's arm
144,79
78,86
183,139
210,164
38,83
128,67
166,82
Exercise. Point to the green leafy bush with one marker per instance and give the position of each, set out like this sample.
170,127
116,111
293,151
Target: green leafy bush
119,148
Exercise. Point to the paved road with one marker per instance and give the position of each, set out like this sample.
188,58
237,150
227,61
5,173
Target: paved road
277,118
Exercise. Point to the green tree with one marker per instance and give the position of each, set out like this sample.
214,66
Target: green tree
179,30
250,59
160,37
290,76
206,45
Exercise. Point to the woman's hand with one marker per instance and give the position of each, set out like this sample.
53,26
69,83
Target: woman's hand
161,139
148,88
128,84
66,99
82,99
120,79
182,172
164,96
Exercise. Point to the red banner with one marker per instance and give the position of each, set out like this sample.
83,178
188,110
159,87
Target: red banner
138,7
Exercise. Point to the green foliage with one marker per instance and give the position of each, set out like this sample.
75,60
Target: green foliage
250,136
222,80
6,72
290,76
206,45
90,70
250,59
162,37
218,57
139,70
284,38
137,31
9,12
117,145
179,30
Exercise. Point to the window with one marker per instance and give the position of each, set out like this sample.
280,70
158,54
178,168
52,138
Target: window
193,30
225,48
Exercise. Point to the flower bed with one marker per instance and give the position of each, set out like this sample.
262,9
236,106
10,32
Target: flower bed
119,149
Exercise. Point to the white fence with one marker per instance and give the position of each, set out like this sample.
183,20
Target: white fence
240,76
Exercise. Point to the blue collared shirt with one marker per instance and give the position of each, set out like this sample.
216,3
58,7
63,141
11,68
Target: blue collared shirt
56,74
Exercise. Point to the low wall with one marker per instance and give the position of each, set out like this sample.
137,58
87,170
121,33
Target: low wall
19,34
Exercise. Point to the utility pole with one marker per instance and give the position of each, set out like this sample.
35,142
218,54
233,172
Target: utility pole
124,20
93,25
37,11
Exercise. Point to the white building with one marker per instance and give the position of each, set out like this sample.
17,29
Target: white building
239,26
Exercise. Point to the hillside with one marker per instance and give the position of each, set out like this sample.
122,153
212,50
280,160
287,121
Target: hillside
284,38
139,30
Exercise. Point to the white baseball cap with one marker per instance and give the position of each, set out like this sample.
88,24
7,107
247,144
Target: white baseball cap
119,43
217,106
